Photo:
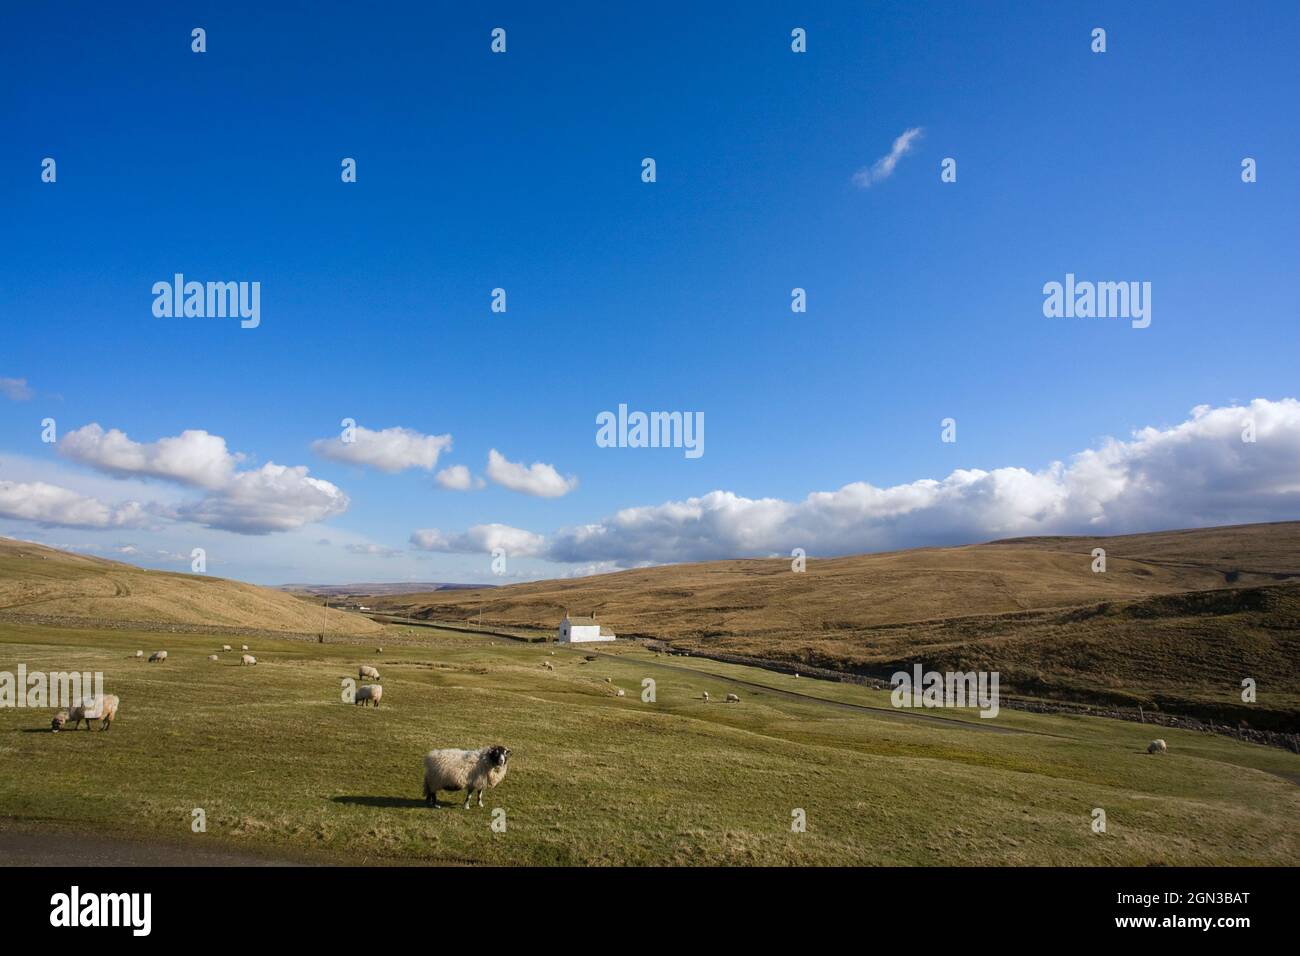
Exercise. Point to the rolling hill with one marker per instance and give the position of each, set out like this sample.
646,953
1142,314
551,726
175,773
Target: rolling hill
47,585
1178,617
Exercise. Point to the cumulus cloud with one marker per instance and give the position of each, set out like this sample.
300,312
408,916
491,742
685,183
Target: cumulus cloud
480,539
458,478
15,389
538,479
272,498
257,501
883,168
391,449
1194,474
193,457
48,504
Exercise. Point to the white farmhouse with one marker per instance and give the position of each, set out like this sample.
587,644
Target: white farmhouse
582,630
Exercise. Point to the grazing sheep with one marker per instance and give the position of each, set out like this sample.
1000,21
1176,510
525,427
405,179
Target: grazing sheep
247,659
621,693
371,692
733,699
243,647
379,650
1157,746
467,770
547,665
227,647
139,653
103,710
366,671
706,696
214,657
157,657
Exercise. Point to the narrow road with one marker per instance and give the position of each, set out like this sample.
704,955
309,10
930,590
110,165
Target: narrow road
62,848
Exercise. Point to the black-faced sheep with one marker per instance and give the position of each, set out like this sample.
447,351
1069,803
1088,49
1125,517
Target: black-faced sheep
733,699
369,692
102,710
157,657
467,770
365,671
1157,746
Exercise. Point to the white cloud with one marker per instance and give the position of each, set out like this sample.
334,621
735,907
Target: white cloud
390,450
883,168
375,550
481,539
1194,474
15,389
458,478
193,457
537,479
258,501
272,498
48,504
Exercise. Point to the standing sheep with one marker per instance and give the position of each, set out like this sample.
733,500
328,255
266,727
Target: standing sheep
139,653
247,659
366,671
243,647
371,692
706,696
214,657
1157,746
467,770
102,710
225,647
733,699
157,657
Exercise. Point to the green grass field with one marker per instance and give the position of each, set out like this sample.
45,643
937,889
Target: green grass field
281,766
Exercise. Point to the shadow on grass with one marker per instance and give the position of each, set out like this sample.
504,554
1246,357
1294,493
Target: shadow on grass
388,802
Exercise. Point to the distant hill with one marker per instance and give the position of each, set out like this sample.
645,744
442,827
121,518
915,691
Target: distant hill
1176,615
43,583
367,590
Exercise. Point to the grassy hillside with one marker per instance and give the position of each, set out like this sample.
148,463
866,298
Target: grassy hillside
43,583
280,765
1177,616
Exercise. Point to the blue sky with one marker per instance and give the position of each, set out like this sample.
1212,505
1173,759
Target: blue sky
522,171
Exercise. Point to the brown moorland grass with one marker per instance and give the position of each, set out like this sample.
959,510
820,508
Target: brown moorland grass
37,582
1178,618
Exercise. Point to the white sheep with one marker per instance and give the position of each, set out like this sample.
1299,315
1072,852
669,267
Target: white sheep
366,671
547,665
621,693
243,647
157,657
371,692
103,710
139,653
214,657
226,647
467,770
247,659
706,696
733,699
1157,746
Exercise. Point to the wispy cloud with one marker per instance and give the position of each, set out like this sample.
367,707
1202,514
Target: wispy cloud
15,389
883,168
